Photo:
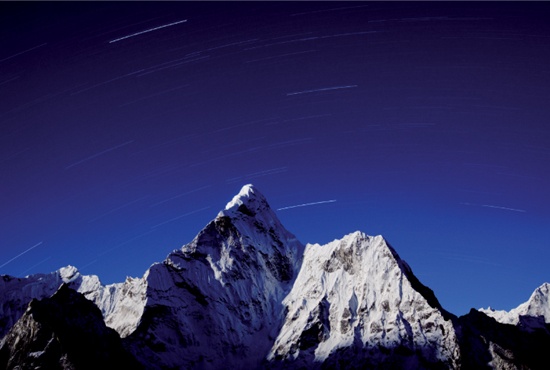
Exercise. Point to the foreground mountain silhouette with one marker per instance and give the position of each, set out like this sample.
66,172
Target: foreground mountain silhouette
245,293
65,331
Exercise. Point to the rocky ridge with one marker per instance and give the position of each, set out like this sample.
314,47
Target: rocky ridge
65,331
246,293
537,308
354,296
217,301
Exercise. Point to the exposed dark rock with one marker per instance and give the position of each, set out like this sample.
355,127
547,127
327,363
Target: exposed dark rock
482,340
65,331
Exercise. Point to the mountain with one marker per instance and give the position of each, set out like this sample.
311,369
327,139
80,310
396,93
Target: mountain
488,344
245,293
121,304
538,306
355,296
16,292
65,331
217,302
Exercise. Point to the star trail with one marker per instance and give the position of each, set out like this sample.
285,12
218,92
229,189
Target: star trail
126,127
147,30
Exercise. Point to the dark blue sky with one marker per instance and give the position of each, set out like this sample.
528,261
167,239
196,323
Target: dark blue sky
126,127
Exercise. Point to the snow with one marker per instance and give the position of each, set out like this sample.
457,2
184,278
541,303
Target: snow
538,305
121,304
16,293
247,192
354,289
245,289
218,299
36,354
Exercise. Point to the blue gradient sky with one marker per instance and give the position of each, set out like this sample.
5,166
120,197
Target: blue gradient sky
126,127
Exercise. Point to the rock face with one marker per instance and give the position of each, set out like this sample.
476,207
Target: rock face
121,304
488,344
216,303
246,294
16,293
65,331
354,297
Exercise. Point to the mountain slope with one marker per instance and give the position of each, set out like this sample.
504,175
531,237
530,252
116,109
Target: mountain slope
65,331
538,306
121,304
217,301
16,292
353,298
488,344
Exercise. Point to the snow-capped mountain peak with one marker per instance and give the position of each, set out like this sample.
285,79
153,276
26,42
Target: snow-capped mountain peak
222,291
247,193
250,208
537,306
249,216
355,295
69,273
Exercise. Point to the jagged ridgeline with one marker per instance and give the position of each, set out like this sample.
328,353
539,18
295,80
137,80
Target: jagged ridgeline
246,294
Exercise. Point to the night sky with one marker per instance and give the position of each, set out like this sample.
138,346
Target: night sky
126,127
